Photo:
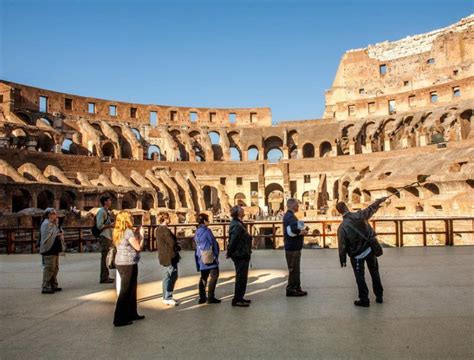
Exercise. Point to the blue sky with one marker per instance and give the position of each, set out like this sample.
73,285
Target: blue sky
282,54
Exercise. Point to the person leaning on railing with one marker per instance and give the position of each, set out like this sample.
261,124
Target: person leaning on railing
51,244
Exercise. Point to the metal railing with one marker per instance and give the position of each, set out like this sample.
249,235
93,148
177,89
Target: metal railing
266,234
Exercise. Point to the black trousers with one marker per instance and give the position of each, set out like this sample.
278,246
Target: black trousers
241,277
359,272
105,245
293,260
212,283
126,308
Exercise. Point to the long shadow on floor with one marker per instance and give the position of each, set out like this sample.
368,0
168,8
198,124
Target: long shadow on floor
225,289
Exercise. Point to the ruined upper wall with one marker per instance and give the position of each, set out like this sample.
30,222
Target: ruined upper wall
417,72
17,97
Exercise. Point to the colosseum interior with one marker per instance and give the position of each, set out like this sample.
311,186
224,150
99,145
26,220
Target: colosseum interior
396,110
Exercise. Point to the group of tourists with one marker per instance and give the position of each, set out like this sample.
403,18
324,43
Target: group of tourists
355,237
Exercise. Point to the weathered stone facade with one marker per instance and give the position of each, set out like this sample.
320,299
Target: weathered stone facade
65,150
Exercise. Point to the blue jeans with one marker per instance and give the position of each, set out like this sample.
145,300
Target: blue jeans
170,275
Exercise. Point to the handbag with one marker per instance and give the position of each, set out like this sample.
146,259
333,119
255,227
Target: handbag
207,256
110,259
373,242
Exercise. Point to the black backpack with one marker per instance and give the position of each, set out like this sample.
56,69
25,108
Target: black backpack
95,230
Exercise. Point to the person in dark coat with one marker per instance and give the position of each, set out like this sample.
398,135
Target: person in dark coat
239,250
351,243
168,255
293,240
206,241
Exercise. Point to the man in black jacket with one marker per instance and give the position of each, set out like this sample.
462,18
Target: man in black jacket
355,224
293,240
239,249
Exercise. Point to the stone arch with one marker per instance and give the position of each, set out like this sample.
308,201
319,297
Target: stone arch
271,143
240,199
306,200
154,153
67,200
432,188
325,149
412,191
367,196
126,149
200,153
45,199
393,191
345,190
21,199
129,201
252,153
466,125
335,190
45,142
66,146
108,149
235,154
148,201
356,196
211,198
215,138
308,150
183,155
25,117
137,133
274,197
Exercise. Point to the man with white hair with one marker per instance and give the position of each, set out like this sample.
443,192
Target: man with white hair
293,240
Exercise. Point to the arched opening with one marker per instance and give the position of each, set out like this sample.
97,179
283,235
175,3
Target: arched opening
356,196
148,202
306,200
66,146
44,121
366,195
211,198
252,153
129,201
413,191
393,191
45,199
235,154
308,150
25,117
21,199
335,190
345,191
45,142
274,155
216,147
136,133
274,197
67,201
182,152
273,148
240,199
108,149
325,149
466,125
154,153
126,149
434,189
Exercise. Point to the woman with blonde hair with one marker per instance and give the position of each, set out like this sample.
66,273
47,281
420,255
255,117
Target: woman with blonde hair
128,246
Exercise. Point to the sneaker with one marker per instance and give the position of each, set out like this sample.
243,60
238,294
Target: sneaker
47,291
214,301
379,300
171,302
362,303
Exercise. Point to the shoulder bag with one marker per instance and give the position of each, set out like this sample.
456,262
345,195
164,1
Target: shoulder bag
373,242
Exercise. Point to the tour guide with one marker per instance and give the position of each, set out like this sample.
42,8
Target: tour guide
353,236
293,239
